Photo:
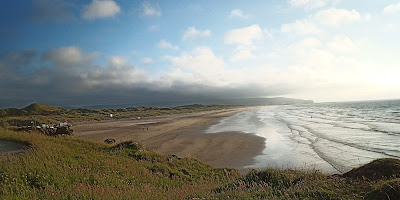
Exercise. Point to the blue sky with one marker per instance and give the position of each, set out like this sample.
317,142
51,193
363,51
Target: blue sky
325,50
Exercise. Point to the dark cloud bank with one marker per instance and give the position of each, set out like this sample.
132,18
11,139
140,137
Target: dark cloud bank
68,77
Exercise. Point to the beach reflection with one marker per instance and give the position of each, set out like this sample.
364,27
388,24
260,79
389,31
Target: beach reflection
281,150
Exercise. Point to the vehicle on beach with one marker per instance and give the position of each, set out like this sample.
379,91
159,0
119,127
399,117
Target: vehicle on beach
58,129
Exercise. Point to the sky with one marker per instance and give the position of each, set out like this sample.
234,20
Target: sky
88,52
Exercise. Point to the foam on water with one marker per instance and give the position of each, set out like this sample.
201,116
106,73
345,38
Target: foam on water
240,122
330,137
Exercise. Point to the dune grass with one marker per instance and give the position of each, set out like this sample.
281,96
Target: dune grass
70,168
41,113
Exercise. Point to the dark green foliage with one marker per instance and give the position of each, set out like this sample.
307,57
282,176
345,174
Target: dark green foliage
10,112
85,110
129,145
377,169
2,113
386,190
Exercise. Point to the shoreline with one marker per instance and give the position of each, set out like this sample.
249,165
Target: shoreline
182,135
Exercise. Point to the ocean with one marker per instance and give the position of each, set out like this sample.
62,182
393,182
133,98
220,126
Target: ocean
330,137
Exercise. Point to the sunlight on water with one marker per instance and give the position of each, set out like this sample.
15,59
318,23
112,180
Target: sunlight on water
333,137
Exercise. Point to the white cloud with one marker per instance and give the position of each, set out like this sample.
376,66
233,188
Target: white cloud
319,58
147,61
309,52
149,9
199,59
273,55
101,9
203,68
301,27
68,57
334,52
167,45
117,62
242,54
341,44
118,73
192,33
367,17
244,36
311,4
393,8
391,26
236,13
268,34
335,17
309,43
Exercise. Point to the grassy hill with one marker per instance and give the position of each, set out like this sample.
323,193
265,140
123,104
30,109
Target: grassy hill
33,109
70,168
41,109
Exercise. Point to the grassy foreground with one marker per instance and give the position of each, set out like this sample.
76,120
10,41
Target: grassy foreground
70,168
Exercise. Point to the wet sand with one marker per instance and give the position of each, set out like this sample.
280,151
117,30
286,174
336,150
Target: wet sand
181,135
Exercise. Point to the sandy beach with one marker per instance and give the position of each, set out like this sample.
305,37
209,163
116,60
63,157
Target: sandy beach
181,135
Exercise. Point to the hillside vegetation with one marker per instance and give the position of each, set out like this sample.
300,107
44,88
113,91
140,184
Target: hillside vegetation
48,114
41,109
33,109
70,168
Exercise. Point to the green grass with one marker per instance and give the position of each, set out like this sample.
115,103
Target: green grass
70,168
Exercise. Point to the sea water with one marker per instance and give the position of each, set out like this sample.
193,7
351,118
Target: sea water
330,137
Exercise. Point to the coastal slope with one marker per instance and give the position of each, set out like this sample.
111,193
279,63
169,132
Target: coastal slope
71,168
